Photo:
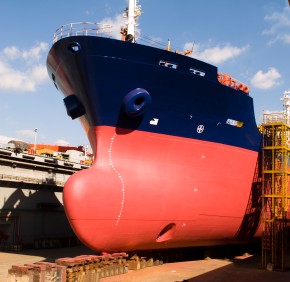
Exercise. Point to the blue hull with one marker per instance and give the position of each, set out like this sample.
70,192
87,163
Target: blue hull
185,95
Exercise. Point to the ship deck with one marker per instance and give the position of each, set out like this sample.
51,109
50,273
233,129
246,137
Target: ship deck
238,269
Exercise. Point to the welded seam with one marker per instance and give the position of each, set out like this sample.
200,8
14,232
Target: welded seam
119,176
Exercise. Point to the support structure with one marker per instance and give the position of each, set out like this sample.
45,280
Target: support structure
276,188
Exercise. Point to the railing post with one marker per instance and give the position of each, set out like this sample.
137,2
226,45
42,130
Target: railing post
82,28
61,29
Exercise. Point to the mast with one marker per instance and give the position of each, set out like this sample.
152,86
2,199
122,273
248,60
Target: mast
131,17
132,13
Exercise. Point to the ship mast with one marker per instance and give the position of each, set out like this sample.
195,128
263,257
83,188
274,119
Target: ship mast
131,17
132,13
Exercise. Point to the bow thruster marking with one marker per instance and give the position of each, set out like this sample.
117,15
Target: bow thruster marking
200,128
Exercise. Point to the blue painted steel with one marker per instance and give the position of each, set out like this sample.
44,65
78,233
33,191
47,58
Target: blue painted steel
136,102
184,102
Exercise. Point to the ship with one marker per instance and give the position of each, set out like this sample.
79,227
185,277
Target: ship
175,142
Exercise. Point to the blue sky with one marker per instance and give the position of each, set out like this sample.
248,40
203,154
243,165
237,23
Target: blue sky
248,39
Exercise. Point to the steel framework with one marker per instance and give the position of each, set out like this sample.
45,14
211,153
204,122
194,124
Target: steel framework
275,192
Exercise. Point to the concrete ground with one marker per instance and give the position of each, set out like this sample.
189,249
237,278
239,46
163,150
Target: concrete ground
212,270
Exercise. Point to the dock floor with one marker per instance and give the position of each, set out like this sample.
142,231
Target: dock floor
212,270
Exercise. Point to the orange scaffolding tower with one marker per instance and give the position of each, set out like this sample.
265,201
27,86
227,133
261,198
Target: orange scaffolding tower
275,191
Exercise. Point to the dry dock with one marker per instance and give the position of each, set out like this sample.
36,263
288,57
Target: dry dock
215,270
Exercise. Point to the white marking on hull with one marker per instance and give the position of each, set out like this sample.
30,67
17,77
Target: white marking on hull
200,128
154,121
119,176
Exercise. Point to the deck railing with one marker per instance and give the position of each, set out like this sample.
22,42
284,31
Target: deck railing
275,118
83,28
34,180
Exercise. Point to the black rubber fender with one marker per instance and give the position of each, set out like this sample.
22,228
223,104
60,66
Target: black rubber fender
74,106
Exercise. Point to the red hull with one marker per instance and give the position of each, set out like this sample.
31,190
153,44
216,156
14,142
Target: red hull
142,182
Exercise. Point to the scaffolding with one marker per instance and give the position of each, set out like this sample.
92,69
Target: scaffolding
275,187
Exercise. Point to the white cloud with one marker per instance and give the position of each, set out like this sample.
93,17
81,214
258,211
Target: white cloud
116,23
15,80
29,136
217,54
27,133
5,139
61,142
108,8
11,53
282,37
266,80
23,70
285,38
34,54
39,73
280,24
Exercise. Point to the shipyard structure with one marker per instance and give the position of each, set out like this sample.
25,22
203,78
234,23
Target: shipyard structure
275,196
31,209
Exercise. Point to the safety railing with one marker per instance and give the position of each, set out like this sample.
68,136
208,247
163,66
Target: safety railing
83,28
34,180
276,117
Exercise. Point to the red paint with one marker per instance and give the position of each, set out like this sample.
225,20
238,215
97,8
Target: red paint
141,182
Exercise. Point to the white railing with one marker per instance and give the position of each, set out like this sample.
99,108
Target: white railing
43,159
276,117
82,28
57,180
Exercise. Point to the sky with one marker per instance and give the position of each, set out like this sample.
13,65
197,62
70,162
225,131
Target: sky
248,39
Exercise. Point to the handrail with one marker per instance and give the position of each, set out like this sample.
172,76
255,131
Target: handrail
275,117
35,180
82,28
